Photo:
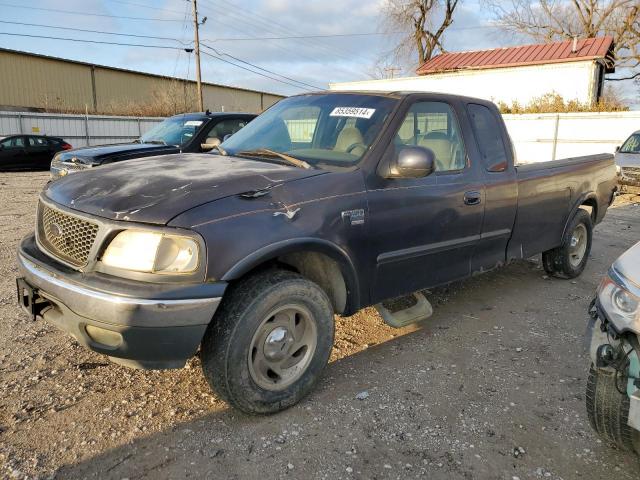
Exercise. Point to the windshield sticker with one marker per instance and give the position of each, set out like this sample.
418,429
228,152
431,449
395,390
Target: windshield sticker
193,123
356,112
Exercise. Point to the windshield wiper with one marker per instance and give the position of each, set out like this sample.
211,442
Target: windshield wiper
221,150
265,152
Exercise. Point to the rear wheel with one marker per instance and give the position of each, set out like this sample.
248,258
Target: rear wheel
608,410
570,258
269,342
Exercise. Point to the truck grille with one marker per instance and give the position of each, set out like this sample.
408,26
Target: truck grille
64,236
631,172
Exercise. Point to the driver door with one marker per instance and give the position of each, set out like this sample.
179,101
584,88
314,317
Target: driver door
423,231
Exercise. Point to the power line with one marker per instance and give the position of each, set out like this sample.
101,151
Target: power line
69,12
166,47
94,31
253,71
151,7
260,68
297,37
82,40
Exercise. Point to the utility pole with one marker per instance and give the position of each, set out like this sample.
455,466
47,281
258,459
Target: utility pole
197,50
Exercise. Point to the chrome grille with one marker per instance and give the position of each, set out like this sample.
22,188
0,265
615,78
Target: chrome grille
631,172
64,236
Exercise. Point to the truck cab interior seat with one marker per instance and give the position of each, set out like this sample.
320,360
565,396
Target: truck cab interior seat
442,146
348,137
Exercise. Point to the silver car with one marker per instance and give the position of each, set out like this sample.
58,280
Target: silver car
613,385
628,160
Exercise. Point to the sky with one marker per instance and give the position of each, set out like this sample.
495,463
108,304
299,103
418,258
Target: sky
234,28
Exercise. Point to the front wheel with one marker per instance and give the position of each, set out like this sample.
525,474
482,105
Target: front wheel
269,342
570,258
608,410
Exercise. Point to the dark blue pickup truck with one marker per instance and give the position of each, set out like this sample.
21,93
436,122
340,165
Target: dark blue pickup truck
324,204
187,133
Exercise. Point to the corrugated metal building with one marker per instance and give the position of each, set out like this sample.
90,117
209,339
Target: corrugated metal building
30,81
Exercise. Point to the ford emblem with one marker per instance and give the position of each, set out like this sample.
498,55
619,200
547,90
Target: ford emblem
55,230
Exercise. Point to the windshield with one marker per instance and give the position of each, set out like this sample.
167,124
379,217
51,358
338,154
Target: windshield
172,131
333,129
632,145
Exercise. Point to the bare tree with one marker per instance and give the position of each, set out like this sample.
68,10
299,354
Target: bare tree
424,22
552,20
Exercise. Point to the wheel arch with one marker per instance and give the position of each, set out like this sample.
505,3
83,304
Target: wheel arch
587,201
320,260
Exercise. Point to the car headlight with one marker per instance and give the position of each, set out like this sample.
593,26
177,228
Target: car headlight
618,169
152,252
622,307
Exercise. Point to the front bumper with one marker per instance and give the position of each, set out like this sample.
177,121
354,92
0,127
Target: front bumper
138,324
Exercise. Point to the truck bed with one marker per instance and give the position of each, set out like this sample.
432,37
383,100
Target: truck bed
549,193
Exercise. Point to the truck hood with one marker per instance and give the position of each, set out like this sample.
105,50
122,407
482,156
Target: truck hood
97,154
628,159
628,265
156,189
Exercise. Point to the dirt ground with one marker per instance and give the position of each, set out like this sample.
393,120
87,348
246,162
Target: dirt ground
491,387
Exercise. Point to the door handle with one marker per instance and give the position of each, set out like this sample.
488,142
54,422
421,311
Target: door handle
472,198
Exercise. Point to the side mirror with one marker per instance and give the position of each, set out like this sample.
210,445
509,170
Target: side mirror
617,148
210,143
1,146
413,162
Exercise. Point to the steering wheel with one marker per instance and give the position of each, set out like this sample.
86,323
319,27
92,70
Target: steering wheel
353,146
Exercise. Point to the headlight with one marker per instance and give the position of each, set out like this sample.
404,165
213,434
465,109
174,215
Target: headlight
152,252
618,169
621,306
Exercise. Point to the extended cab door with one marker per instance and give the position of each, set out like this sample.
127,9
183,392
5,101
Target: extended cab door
493,153
423,231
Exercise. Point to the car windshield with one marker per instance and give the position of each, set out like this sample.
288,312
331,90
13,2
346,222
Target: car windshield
319,129
632,145
173,131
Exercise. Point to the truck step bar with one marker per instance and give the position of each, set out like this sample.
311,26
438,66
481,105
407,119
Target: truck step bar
420,310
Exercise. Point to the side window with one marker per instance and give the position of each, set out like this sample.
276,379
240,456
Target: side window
226,127
434,125
489,137
36,142
13,142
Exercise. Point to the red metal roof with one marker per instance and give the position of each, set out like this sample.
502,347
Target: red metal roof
556,52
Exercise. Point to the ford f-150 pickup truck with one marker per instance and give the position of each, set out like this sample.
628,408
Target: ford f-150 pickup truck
324,204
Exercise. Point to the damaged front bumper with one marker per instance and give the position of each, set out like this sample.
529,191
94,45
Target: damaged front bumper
615,353
138,324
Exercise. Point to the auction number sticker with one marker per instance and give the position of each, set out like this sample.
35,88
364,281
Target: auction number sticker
193,123
356,112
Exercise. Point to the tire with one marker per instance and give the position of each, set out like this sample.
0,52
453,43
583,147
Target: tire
569,260
608,410
236,360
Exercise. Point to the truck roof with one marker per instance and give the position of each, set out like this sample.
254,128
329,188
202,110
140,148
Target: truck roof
405,93
198,115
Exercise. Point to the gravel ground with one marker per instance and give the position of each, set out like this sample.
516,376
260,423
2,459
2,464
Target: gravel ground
492,386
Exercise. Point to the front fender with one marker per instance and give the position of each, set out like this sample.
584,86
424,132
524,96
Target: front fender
298,245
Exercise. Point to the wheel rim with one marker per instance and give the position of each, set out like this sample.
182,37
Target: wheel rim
282,347
578,245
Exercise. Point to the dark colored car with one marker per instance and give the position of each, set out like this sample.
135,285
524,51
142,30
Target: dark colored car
29,152
324,204
186,133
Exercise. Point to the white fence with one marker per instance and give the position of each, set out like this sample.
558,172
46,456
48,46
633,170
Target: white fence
78,130
537,137
550,136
